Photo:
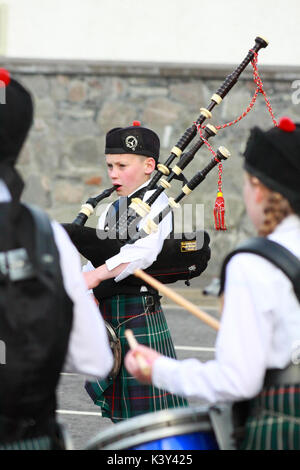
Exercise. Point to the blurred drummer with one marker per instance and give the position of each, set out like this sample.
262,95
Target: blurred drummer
48,322
260,324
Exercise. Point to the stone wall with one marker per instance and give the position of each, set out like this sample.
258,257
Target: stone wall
76,103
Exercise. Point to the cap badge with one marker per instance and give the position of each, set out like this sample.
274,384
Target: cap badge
131,142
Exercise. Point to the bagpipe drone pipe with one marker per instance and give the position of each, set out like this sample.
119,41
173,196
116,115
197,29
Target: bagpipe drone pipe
188,253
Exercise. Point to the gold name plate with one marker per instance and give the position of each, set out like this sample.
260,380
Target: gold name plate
190,245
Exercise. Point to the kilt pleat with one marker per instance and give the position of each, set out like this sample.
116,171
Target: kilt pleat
124,397
274,423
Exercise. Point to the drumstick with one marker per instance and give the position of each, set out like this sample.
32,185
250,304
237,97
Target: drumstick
133,344
205,317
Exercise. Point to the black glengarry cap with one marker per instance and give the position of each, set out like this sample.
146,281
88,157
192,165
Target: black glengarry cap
134,139
273,156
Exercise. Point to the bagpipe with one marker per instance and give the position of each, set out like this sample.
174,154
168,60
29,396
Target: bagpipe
189,257
189,252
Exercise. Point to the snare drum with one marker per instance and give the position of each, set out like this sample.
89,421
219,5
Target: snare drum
174,429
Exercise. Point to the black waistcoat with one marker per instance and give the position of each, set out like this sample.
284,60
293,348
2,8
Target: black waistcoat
35,324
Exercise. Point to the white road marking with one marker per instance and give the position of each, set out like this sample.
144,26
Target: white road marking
73,412
179,348
91,413
178,307
194,348
67,373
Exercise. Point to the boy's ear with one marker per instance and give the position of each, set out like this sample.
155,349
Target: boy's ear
261,193
150,164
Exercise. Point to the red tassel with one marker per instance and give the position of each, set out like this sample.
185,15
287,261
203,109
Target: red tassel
219,212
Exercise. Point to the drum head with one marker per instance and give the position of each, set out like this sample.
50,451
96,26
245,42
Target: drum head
152,426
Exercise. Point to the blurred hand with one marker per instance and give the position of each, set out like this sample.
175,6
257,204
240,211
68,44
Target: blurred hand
91,279
97,275
132,364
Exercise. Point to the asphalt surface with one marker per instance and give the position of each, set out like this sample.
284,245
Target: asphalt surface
83,420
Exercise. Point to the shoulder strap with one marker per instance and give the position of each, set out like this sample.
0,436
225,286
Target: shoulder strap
273,252
46,258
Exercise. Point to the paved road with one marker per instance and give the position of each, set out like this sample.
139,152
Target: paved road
83,419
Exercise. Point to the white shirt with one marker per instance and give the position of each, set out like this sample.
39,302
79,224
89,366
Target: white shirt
260,326
142,253
88,350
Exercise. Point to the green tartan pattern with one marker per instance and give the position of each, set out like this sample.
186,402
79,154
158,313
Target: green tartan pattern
124,397
275,425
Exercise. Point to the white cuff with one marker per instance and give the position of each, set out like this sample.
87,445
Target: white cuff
163,370
110,264
113,262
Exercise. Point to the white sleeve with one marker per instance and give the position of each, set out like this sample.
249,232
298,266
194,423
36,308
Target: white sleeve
242,346
142,253
88,267
88,351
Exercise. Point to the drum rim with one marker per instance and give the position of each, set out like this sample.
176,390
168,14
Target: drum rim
165,423
116,350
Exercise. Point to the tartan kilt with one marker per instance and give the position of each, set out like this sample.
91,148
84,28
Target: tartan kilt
125,397
274,423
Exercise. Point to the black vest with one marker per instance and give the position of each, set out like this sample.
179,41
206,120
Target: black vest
35,324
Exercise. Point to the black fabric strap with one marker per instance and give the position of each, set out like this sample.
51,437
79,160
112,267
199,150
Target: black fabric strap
12,179
273,252
46,257
288,376
43,233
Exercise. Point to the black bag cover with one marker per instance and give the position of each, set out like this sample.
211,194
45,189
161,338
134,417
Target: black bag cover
183,257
